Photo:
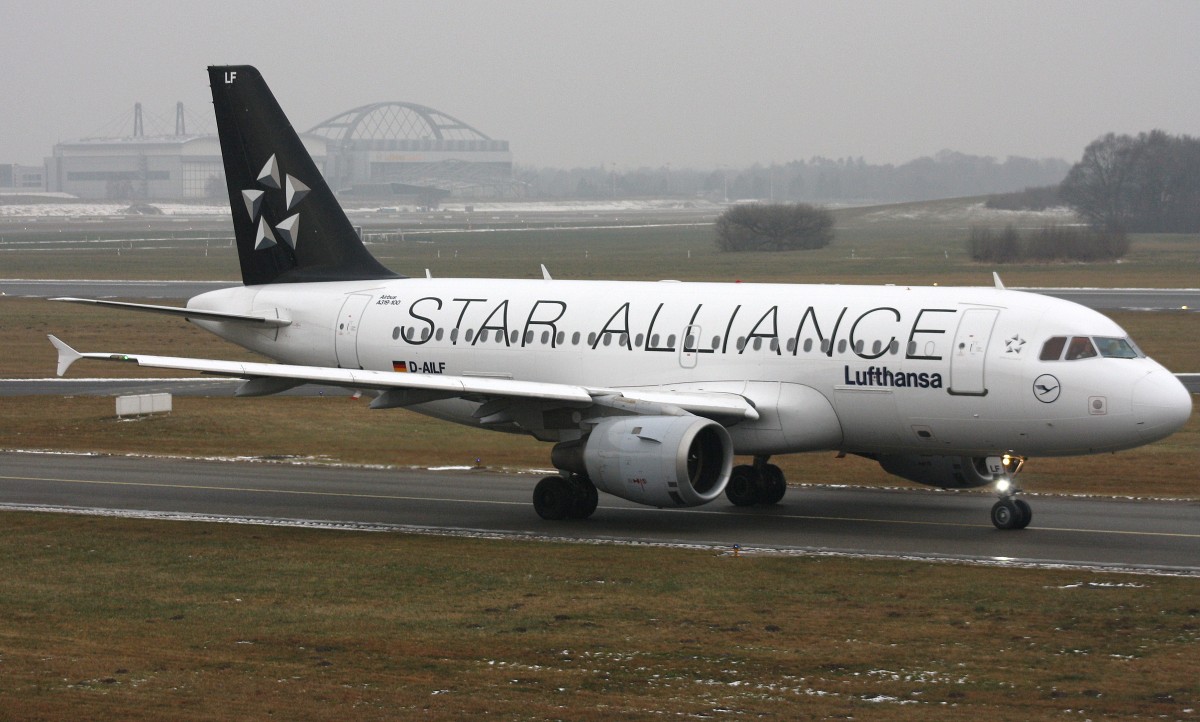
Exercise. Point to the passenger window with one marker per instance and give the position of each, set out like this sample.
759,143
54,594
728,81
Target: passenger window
1115,347
1080,347
1052,350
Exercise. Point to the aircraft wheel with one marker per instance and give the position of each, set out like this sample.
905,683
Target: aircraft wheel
553,498
585,497
742,489
1026,513
1007,515
773,485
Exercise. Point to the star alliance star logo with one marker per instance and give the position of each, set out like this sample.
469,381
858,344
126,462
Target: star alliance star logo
294,192
1013,345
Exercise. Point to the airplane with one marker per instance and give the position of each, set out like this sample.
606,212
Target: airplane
648,390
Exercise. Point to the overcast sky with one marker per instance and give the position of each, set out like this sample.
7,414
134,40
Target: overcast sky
690,84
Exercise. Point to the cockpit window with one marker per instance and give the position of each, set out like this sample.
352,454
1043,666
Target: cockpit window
1052,350
1080,347
1115,347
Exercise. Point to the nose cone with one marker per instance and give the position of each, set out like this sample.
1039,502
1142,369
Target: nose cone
1161,405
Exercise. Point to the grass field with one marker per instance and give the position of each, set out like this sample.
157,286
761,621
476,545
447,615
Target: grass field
915,243
108,619
122,619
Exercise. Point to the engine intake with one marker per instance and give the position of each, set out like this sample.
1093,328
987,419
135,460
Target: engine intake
654,460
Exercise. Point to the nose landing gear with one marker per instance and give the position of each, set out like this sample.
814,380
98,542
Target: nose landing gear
1010,512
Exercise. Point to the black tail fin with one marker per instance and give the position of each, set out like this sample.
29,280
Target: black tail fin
288,225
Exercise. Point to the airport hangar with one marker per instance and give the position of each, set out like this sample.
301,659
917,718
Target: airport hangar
389,152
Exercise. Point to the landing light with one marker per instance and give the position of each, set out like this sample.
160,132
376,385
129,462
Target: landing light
1003,485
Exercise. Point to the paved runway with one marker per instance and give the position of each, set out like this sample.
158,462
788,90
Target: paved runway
1093,533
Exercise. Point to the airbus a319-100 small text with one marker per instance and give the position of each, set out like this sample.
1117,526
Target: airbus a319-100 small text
648,390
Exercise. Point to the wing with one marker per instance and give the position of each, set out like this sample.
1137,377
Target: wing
403,389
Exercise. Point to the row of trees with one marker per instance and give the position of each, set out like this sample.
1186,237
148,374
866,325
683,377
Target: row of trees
1149,183
1049,243
818,179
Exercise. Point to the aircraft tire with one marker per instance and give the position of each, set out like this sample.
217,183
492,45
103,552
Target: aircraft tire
1026,513
585,497
553,498
743,486
773,485
1006,515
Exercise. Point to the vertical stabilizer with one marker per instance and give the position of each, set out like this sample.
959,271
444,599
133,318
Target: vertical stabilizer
289,227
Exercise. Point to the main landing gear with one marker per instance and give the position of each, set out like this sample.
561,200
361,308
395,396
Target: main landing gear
569,497
761,483
1010,512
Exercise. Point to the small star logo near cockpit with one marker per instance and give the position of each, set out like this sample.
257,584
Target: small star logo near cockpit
1013,345
1046,388
294,192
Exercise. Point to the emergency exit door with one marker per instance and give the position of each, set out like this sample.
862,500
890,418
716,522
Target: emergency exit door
968,356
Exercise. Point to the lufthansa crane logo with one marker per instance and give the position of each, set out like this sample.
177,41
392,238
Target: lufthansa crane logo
1046,388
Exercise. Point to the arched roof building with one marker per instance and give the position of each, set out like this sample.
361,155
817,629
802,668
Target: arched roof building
395,148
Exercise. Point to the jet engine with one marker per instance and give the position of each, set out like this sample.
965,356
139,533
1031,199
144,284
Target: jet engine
946,472
654,460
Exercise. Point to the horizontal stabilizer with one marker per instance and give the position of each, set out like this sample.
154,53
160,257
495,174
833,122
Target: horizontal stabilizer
188,313
66,354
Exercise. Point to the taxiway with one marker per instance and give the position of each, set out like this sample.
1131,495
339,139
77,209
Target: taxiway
1109,534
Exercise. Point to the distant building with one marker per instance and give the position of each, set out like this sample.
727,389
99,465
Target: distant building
15,177
402,150
393,151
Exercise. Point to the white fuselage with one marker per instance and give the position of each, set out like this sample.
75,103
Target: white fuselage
864,369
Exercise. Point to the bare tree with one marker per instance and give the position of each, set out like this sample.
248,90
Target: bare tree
774,227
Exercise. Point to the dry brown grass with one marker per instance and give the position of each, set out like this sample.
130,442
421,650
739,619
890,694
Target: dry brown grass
117,619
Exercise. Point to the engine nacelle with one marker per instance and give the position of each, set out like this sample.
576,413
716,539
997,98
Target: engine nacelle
946,472
655,460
